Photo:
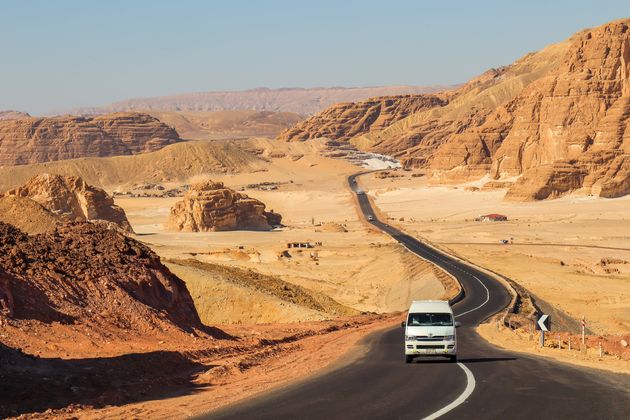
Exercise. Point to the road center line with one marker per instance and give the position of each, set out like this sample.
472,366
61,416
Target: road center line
484,302
470,378
470,387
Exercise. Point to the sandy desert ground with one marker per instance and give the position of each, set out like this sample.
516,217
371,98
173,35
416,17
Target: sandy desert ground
356,266
573,252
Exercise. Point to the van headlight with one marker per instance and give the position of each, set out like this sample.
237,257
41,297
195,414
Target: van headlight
449,337
410,338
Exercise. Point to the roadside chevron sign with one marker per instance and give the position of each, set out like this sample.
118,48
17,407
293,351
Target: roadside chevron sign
543,323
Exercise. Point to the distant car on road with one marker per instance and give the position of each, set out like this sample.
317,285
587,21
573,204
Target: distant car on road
370,218
430,330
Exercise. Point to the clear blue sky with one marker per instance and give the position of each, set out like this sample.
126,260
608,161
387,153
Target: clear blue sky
62,54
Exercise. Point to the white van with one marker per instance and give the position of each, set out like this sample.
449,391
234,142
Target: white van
430,330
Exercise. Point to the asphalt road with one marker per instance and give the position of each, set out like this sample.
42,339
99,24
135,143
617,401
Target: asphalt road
501,384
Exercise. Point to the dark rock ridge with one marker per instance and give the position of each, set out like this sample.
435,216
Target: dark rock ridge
89,274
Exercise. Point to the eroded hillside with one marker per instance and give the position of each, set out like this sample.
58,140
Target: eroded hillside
556,118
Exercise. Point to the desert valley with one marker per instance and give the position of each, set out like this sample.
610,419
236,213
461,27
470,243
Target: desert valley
166,257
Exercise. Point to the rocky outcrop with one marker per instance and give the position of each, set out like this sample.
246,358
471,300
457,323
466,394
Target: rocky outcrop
87,274
69,198
34,140
575,119
346,120
210,206
567,130
547,181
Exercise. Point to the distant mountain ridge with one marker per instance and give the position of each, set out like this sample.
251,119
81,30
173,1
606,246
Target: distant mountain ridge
13,115
304,101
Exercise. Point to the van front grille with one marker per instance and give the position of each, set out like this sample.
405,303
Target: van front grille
430,347
427,338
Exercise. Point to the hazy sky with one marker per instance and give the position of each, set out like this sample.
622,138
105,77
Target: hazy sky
62,54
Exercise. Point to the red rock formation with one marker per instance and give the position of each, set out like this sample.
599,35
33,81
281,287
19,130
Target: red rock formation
70,199
34,140
210,206
91,275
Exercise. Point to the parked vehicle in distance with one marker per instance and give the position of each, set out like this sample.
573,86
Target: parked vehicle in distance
430,330
370,218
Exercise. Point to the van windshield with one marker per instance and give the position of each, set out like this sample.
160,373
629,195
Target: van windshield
430,320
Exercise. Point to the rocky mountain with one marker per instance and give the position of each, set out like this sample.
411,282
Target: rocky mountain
555,120
13,115
33,140
66,198
298,100
227,124
346,120
85,274
210,206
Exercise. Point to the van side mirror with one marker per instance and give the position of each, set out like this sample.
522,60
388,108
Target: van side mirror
403,324
458,324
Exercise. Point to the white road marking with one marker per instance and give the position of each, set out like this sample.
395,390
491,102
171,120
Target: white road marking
470,387
470,378
484,302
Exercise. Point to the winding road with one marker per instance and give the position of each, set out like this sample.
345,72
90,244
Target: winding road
486,383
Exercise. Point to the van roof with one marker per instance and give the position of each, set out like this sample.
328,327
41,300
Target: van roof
430,306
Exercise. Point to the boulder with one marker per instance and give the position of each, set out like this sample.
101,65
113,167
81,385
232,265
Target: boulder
210,206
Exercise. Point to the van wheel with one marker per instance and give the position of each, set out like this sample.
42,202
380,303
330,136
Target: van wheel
408,359
452,359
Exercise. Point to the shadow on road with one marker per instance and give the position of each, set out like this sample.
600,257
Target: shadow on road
30,384
487,359
471,360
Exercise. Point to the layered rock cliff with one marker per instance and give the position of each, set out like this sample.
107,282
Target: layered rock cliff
557,120
210,206
34,140
346,120
68,198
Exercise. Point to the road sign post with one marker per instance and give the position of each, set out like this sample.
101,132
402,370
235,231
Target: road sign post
543,323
